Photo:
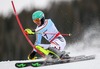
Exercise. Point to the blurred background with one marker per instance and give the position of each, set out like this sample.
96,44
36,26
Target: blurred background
81,18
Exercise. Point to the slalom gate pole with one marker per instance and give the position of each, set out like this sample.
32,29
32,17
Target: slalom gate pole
22,29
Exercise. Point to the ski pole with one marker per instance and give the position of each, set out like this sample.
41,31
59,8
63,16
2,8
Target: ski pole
30,32
61,34
54,34
22,29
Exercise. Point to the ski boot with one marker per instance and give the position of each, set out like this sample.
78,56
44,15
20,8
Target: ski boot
61,55
33,56
65,55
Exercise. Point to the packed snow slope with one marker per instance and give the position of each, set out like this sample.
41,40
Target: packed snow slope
89,64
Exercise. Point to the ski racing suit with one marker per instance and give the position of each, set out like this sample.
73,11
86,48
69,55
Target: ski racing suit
51,34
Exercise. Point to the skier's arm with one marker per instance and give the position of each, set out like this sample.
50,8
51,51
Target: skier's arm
29,31
38,36
38,39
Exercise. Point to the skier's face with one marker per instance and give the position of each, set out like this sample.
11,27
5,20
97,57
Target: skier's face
37,21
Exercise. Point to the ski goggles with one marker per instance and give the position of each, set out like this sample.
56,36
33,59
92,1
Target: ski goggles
37,20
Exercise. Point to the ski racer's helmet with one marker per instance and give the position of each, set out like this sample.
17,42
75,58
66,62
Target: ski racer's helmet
38,15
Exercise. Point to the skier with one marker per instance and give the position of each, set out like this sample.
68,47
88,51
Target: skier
43,29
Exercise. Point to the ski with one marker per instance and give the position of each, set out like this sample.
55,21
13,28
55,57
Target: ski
54,61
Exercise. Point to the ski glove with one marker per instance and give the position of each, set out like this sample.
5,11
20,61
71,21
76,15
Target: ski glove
29,31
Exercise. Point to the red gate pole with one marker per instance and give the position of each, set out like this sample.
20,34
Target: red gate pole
22,29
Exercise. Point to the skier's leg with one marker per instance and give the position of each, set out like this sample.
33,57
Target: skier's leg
58,46
34,55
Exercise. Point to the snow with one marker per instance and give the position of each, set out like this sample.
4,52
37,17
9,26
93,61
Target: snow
89,64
